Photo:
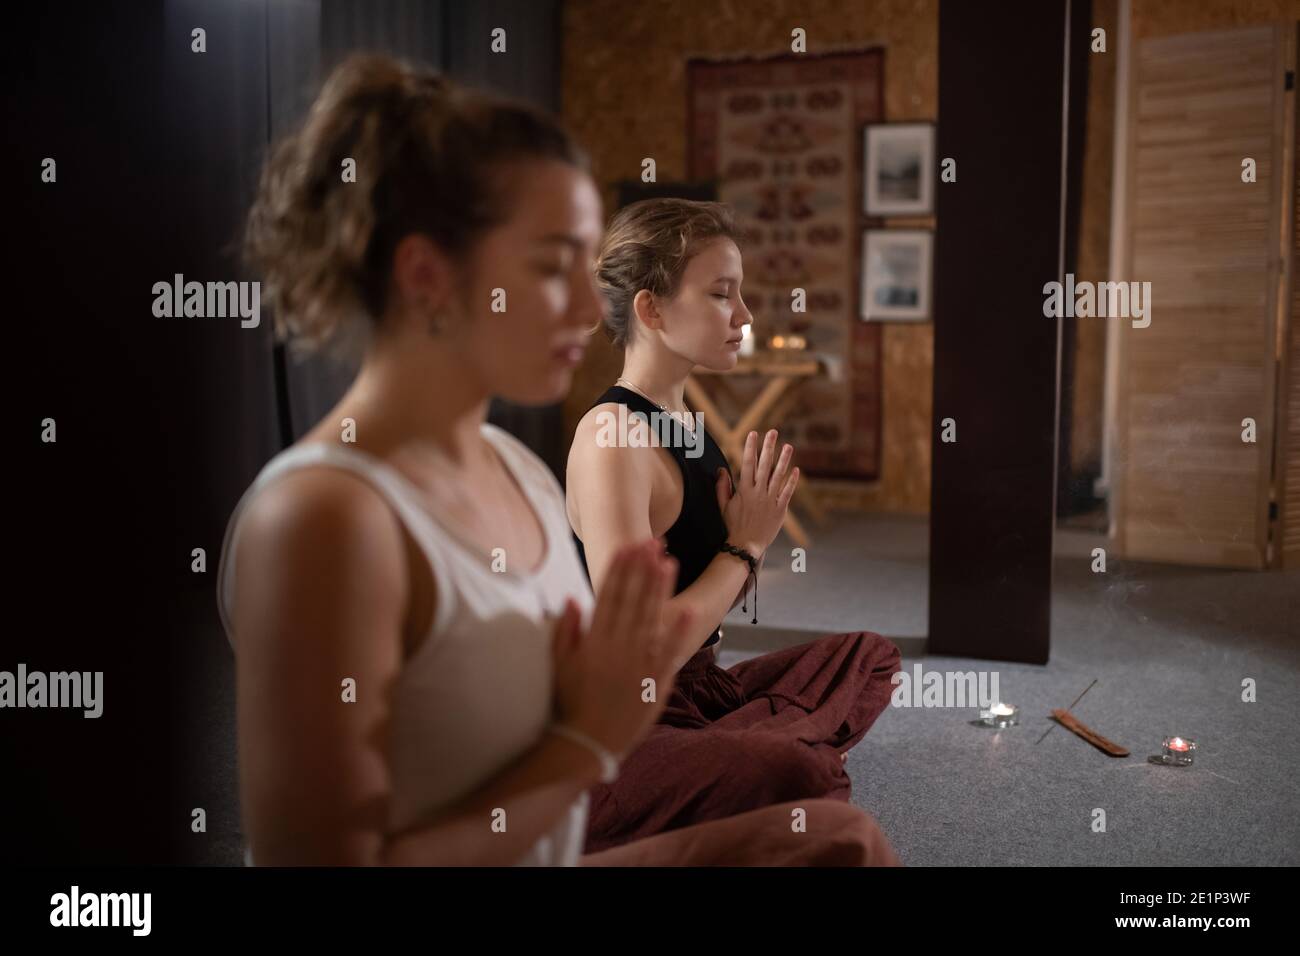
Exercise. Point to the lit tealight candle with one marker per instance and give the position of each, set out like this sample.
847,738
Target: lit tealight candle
1000,715
778,341
746,341
1178,751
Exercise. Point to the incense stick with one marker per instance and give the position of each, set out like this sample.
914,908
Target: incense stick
1071,707
1073,723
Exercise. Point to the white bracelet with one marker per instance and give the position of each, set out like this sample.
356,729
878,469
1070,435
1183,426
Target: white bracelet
608,762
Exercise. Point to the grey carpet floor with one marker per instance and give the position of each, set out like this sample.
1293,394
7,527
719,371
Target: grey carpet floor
1169,647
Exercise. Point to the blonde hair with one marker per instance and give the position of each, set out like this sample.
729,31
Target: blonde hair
648,246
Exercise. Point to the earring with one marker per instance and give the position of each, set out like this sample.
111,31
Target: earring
437,319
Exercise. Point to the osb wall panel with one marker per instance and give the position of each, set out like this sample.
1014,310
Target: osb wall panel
623,94
1155,18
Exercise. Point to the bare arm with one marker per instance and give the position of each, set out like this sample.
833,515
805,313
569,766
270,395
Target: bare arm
611,489
321,595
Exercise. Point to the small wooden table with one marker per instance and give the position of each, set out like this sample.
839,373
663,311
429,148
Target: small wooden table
783,373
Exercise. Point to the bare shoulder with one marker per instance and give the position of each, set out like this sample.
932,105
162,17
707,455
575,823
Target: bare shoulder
600,444
607,473
317,503
318,537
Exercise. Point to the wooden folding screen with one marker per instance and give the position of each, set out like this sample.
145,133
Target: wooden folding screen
1216,252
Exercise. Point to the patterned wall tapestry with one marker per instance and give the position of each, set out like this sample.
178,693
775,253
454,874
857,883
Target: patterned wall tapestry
782,137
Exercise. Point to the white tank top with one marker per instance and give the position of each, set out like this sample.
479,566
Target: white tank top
477,692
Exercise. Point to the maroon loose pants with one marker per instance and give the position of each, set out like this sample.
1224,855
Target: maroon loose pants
767,731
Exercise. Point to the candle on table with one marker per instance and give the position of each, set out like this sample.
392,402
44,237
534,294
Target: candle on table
746,341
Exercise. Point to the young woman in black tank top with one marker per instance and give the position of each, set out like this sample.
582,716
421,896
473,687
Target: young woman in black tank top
695,537
770,729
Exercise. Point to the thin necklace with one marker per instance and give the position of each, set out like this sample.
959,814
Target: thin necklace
641,392
661,407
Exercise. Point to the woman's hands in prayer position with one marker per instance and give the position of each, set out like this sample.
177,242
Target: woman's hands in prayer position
601,673
755,509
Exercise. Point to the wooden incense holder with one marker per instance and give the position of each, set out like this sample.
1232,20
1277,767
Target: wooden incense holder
1070,722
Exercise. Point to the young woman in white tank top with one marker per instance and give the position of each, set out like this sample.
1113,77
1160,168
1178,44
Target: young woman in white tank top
423,676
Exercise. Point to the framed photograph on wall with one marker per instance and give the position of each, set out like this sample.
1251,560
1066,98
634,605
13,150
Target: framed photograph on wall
896,273
898,166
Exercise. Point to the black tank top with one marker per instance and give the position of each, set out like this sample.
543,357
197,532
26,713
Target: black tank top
699,531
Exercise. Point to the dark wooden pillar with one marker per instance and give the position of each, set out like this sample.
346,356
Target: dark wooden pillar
996,357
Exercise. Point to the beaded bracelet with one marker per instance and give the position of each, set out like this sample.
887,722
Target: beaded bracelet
753,571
